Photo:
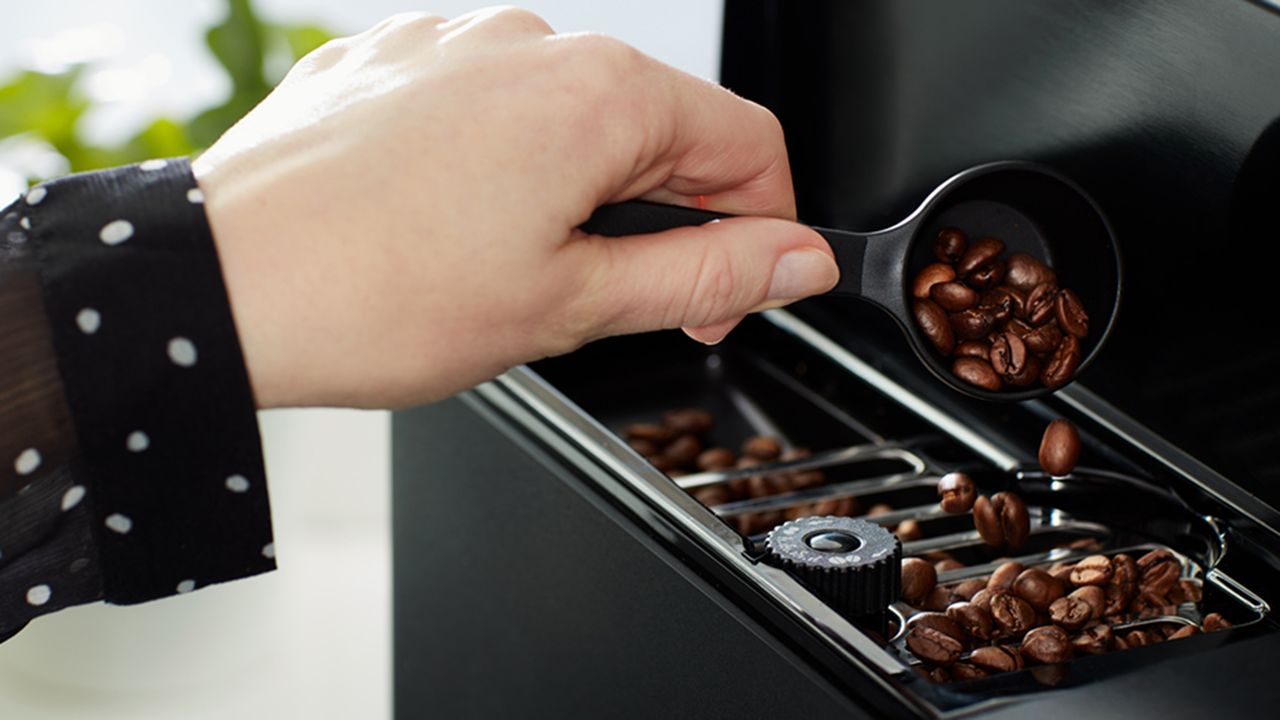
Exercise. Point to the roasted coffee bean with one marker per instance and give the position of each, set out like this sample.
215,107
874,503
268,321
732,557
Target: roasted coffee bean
1125,571
1214,622
947,565
935,325
928,277
987,521
1093,640
1061,570
1042,303
977,372
846,506
1085,543
1038,588
764,486
688,420
971,324
957,491
981,253
649,431
1118,598
1138,638
717,458
934,638
1028,374
987,276
1013,615
684,450
795,512
1015,522
1093,570
1060,448
918,579
997,658
953,296
982,598
908,530
950,245
1074,610
1026,272
975,620
939,675
1192,591
1061,366
1019,328
1004,575
1160,571
1047,644
1185,631
1071,314
940,598
762,447
645,447
974,349
1151,604
965,671
711,495
1009,358
968,588
1094,596
1044,338
1003,303
662,463
826,507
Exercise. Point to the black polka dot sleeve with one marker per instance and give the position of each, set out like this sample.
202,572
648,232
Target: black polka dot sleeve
130,462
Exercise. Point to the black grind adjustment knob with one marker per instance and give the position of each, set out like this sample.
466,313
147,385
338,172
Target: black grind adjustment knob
854,565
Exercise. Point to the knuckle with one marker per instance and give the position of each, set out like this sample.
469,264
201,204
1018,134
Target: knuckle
509,17
714,291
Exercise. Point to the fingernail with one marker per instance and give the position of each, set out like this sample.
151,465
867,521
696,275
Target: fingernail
801,273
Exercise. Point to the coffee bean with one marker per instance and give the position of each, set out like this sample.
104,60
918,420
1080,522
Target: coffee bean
1138,638
1005,574
1044,338
1124,571
1093,640
711,495
1081,606
662,463
1060,448
1047,644
1062,364
688,420
908,530
935,638
1013,615
977,372
953,296
974,349
940,598
971,324
1185,631
950,245
1003,303
987,521
762,447
975,620
1214,622
918,579
1118,598
965,671
1160,571
982,598
645,447
940,622
968,588
1025,272
1019,328
929,276
1093,570
1015,522
826,507
1042,303
717,458
1192,591
1038,588
649,431
947,565
981,253
939,675
683,450
1061,570
934,325
997,658
1009,358
957,491
988,276
1070,313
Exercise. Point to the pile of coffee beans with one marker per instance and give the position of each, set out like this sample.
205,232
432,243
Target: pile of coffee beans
1004,322
1040,615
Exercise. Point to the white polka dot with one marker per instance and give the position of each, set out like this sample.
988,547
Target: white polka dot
36,194
137,441
27,461
120,523
182,352
269,551
89,320
39,595
116,232
25,223
186,586
152,165
195,196
72,497
237,483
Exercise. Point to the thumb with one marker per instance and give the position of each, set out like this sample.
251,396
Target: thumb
701,276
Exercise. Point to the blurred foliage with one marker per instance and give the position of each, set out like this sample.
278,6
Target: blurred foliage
50,107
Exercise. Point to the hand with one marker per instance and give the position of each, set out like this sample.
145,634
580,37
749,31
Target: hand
398,220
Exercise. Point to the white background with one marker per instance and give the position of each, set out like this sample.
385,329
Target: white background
312,640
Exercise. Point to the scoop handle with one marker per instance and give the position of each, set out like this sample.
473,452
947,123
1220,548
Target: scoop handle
640,217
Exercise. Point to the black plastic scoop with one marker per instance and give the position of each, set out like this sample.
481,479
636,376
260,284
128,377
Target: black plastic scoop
1029,207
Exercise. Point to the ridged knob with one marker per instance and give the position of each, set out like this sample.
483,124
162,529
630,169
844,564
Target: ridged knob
855,565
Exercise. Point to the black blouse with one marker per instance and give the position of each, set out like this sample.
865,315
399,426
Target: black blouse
130,464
